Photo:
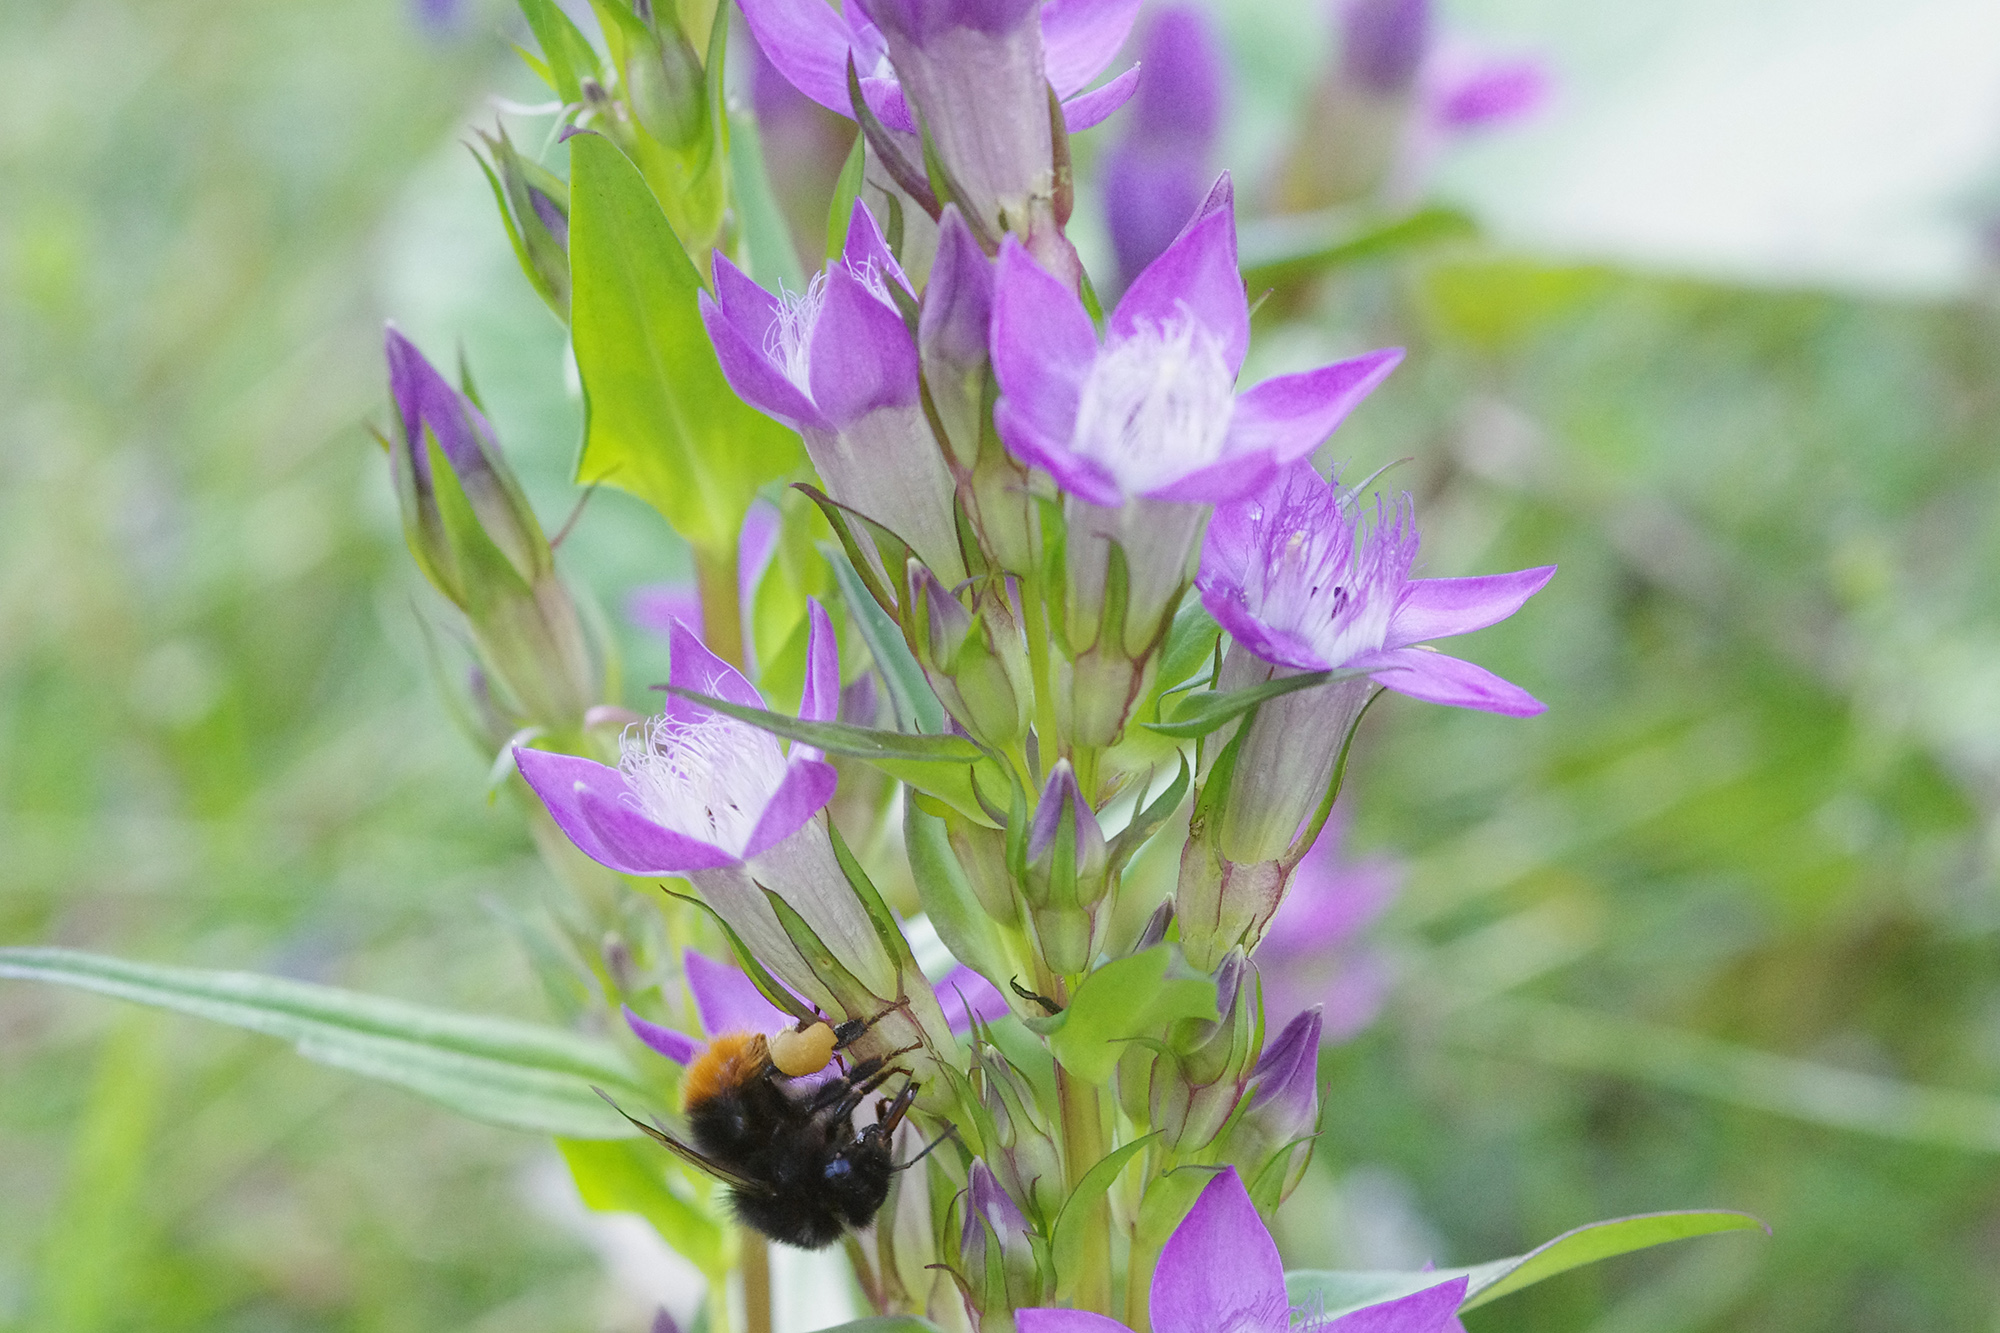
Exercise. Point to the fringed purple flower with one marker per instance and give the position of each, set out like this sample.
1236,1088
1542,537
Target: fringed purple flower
1220,1270
837,363
1146,429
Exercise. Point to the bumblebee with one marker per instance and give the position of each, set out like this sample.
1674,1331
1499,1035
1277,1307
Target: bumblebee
797,1169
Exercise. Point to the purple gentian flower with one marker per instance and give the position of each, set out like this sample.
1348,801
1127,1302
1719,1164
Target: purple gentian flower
838,364
810,42
1146,429
722,803
1384,42
1312,954
1302,582
1220,1273
1155,176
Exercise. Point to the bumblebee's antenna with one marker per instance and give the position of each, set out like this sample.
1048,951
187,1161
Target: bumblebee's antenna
950,1132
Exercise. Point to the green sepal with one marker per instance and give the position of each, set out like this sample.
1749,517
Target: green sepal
846,189
900,169
887,930
830,970
1147,821
910,697
566,52
767,985
1205,711
948,898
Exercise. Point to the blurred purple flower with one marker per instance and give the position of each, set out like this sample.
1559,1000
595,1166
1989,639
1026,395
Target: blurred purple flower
1464,90
1220,1270
1384,42
657,607
1155,176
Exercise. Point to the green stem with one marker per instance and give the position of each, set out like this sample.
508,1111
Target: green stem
721,603
1083,1148
1035,612
1139,1283
756,1267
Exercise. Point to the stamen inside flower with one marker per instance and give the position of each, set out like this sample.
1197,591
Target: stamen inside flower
708,777
1157,404
1327,575
789,341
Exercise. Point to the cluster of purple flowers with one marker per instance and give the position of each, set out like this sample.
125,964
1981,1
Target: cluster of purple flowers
1108,561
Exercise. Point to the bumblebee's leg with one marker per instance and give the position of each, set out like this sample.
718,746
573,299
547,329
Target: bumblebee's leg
852,1101
889,1114
846,1034
869,1072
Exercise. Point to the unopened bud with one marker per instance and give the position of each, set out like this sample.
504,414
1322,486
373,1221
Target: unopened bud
1197,1088
999,1257
1067,879
1384,43
535,207
1028,1158
1272,1141
667,88
976,659
952,334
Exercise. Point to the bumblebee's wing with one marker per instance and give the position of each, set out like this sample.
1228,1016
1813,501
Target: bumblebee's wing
692,1156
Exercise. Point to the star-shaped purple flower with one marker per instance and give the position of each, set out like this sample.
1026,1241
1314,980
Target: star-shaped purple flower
1153,411
1220,1271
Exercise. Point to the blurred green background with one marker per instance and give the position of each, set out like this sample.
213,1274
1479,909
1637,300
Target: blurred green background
1720,929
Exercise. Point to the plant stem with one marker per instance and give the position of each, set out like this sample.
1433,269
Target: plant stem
1048,740
756,1268
1083,1148
1138,1284
721,603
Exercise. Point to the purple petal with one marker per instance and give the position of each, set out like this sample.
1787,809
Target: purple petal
691,666
1043,348
1440,608
1491,92
1092,108
557,779
1183,91
656,606
425,398
748,306
1198,274
755,545
1432,1310
1220,1269
1035,1320
1289,416
808,42
634,845
965,995
867,250
1438,679
1079,37
822,693
958,301
676,1046
1235,476
1080,476
862,354
807,787
750,372
727,1000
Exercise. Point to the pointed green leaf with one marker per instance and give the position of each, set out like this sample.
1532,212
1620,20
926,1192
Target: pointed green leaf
566,51
660,420
508,1073
1068,1242
1286,249
1338,1293
630,1176
1128,997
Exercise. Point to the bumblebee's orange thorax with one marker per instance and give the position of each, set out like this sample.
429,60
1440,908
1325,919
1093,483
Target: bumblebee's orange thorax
727,1063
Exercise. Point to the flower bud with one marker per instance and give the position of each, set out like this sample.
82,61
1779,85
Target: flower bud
666,87
982,854
976,660
1024,1150
1196,1089
1280,1111
476,539
1068,873
1383,44
534,204
999,1258
952,334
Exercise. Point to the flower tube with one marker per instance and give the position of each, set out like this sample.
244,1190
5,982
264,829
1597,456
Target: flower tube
838,364
1303,581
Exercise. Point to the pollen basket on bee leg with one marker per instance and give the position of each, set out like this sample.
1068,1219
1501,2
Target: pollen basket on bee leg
797,1054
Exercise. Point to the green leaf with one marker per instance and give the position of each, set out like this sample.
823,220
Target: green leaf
510,1073
1190,643
660,420
1066,1246
1338,1293
1204,711
1285,249
845,191
910,696
630,1176
1128,997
